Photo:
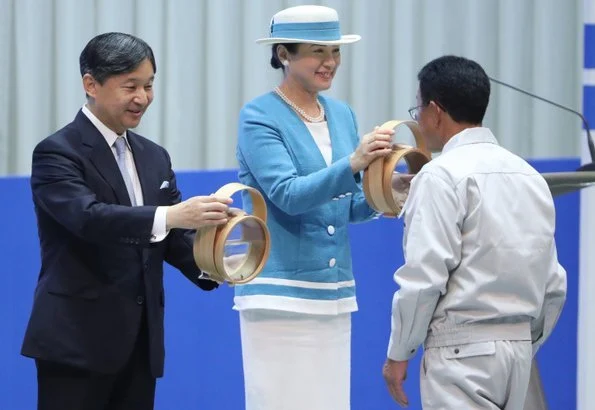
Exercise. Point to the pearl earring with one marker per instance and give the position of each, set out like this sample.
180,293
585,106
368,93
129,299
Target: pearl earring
285,63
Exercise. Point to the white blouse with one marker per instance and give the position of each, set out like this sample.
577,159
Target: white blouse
322,137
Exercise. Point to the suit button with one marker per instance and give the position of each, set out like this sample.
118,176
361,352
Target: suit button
140,300
332,262
331,230
457,351
146,266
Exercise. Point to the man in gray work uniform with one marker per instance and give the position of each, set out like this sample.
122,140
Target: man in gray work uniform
481,284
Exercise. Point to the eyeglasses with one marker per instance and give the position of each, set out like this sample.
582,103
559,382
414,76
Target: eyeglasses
414,112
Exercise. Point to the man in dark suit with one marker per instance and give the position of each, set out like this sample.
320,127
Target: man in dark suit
109,214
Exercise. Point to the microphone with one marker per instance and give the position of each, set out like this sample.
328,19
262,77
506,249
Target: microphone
585,167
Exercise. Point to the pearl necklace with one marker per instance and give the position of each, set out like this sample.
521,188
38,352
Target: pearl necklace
300,111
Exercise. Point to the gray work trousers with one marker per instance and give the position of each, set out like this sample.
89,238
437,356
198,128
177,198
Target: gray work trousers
486,375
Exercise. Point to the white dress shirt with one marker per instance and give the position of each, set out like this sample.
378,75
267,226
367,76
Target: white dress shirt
158,231
479,251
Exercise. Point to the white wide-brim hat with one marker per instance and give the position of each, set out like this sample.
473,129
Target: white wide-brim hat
307,24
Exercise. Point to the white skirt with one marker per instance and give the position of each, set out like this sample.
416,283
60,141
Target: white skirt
296,361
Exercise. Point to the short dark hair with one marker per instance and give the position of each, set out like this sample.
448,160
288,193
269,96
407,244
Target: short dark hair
111,54
458,85
292,48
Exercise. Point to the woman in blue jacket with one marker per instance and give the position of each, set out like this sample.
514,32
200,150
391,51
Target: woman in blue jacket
302,152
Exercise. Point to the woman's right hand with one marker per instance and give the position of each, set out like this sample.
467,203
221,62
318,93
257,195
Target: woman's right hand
373,145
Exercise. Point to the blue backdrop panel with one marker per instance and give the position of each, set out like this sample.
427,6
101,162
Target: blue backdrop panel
203,359
589,61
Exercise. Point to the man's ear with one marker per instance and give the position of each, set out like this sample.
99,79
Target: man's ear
90,85
437,113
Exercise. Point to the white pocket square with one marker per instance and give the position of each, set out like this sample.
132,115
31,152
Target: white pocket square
164,185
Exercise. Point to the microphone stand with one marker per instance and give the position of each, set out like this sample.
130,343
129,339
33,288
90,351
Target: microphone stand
565,182
585,167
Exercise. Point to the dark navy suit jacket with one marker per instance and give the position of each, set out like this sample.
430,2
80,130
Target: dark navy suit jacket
99,270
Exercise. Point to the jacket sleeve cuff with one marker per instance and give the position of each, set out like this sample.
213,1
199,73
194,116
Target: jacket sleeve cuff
400,353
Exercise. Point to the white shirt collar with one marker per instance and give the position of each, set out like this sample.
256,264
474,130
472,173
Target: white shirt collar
109,135
473,135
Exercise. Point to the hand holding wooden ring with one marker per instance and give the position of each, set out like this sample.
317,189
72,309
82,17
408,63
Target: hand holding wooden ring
237,251
377,182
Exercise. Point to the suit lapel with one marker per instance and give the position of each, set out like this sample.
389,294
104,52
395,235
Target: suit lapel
307,148
142,159
332,130
101,156
338,147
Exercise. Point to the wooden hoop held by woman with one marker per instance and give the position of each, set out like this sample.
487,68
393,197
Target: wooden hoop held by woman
377,181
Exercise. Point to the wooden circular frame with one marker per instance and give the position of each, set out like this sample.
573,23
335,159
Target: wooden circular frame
209,242
377,181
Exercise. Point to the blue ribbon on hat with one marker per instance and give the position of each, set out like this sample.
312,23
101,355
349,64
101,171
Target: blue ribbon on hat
322,31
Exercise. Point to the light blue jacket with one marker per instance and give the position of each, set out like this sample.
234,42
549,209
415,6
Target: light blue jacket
309,206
